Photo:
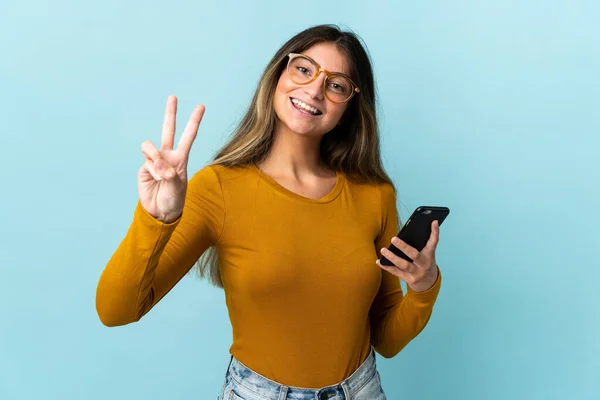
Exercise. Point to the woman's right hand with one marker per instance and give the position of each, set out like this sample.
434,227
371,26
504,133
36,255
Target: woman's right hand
162,180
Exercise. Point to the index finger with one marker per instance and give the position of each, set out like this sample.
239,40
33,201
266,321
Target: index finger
191,130
168,128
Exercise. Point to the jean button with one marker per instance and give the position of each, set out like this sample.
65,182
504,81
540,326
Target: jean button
326,395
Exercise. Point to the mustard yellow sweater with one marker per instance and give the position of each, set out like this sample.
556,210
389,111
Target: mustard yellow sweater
305,297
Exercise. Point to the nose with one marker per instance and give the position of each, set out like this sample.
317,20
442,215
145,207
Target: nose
315,88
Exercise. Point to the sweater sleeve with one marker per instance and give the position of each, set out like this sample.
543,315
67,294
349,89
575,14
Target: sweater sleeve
153,256
396,319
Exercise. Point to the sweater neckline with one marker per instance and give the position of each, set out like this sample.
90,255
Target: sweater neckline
332,195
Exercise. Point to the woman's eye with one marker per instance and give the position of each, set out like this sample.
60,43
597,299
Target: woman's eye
336,87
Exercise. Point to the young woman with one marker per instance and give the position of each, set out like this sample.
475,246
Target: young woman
288,219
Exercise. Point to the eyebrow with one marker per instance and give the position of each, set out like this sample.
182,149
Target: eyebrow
328,70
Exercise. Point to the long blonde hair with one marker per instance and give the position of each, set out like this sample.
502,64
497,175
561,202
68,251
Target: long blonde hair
352,147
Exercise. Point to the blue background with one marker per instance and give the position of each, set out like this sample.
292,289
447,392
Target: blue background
488,107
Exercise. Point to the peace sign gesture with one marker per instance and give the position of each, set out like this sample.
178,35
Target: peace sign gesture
162,180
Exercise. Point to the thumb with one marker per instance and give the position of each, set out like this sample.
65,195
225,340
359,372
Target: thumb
434,238
163,169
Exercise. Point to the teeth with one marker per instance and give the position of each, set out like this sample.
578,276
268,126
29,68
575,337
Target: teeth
305,106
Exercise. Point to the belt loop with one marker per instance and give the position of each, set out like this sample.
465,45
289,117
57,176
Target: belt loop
346,390
283,393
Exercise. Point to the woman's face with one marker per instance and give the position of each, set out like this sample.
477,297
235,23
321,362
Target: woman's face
288,94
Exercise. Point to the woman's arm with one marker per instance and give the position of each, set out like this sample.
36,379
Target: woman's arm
154,256
397,318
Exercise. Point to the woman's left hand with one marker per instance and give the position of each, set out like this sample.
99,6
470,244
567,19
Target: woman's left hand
422,273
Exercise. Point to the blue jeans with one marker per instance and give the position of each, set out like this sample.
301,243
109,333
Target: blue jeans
241,383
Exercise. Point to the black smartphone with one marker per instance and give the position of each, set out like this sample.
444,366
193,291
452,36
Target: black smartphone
417,230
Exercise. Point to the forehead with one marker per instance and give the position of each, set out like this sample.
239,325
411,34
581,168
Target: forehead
329,57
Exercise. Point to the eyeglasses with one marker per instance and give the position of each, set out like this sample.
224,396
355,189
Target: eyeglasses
337,87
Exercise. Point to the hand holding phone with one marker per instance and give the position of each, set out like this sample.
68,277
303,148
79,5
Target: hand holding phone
417,230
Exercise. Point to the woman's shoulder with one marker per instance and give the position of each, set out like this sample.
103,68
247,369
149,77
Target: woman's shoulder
220,175
376,188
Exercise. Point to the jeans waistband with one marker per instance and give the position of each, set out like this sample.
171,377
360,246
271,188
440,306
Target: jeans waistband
263,386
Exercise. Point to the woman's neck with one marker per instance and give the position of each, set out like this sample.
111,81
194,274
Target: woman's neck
294,155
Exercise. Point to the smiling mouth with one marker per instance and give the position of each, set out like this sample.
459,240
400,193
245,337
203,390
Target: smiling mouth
304,108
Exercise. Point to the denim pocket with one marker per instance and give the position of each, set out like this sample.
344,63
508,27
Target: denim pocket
372,390
234,391
232,395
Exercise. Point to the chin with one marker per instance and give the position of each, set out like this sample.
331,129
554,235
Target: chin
301,129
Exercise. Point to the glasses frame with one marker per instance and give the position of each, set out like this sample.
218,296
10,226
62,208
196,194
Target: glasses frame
355,88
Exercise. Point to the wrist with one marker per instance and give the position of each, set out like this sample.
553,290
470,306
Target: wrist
427,282
169,218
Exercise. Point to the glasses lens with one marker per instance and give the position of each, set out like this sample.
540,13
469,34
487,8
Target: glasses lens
339,88
301,70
